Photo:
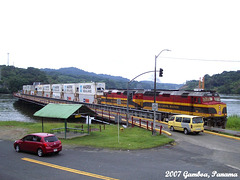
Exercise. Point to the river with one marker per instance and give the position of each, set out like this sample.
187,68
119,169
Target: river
13,110
233,104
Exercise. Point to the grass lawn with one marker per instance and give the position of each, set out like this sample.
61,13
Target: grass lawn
233,123
129,138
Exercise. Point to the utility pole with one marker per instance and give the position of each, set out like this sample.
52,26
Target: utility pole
8,59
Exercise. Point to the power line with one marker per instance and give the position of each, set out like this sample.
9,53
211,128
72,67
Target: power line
193,59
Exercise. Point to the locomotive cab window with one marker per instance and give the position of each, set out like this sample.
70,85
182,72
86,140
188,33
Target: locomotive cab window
197,100
185,95
166,95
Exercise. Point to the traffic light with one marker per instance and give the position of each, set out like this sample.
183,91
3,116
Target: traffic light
130,96
161,72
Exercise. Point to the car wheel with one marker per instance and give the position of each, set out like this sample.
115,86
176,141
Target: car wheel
185,131
171,128
17,148
40,152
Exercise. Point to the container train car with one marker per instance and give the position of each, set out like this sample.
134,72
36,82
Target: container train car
81,92
200,103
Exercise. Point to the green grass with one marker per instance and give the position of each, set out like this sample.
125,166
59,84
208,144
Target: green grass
129,138
233,123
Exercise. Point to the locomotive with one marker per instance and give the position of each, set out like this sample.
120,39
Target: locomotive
199,103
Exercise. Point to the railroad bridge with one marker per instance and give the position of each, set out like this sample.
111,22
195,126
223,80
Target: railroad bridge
142,118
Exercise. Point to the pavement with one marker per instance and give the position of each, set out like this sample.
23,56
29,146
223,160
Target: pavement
192,155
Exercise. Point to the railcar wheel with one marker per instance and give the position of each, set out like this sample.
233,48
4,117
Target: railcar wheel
185,131
40,152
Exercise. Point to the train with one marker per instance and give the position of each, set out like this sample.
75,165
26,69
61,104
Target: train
204,103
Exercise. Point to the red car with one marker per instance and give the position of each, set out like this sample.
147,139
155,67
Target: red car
40,143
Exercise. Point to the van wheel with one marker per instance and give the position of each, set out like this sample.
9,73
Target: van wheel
185,131
171,128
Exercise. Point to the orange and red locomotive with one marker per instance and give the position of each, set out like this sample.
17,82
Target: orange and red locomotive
200,103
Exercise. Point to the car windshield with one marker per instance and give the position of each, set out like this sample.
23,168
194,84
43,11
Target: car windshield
197,120
51,139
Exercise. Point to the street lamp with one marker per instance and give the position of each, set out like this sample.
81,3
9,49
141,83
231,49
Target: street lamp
154,119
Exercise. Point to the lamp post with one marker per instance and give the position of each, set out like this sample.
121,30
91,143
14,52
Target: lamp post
154,115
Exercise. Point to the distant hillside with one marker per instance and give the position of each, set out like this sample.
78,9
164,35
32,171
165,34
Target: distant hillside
74,75
12,78
225,83
75,72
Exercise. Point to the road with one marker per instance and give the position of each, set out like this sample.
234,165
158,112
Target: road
203,154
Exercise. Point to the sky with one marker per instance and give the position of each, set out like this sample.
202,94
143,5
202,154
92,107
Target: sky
122,37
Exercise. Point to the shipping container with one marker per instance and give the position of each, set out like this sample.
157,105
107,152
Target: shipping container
57,88
87,98
24,89
69,92
30,89
39,90
91,88
47,90
57,91
89,92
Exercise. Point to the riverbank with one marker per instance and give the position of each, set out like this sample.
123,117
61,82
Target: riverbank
129,139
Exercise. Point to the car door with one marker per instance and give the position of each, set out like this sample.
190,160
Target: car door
26,143
35,144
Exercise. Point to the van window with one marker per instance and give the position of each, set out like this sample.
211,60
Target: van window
186,120
172,118
197,120
178,119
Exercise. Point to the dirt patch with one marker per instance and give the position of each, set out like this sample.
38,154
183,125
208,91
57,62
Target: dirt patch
12,133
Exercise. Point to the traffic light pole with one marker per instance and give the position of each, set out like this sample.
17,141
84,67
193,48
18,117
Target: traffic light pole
155,109
128,84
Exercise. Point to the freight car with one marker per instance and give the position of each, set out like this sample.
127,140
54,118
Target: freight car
81,92
200,103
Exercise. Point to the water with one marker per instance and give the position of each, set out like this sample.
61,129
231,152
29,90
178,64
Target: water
13,110
233,104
